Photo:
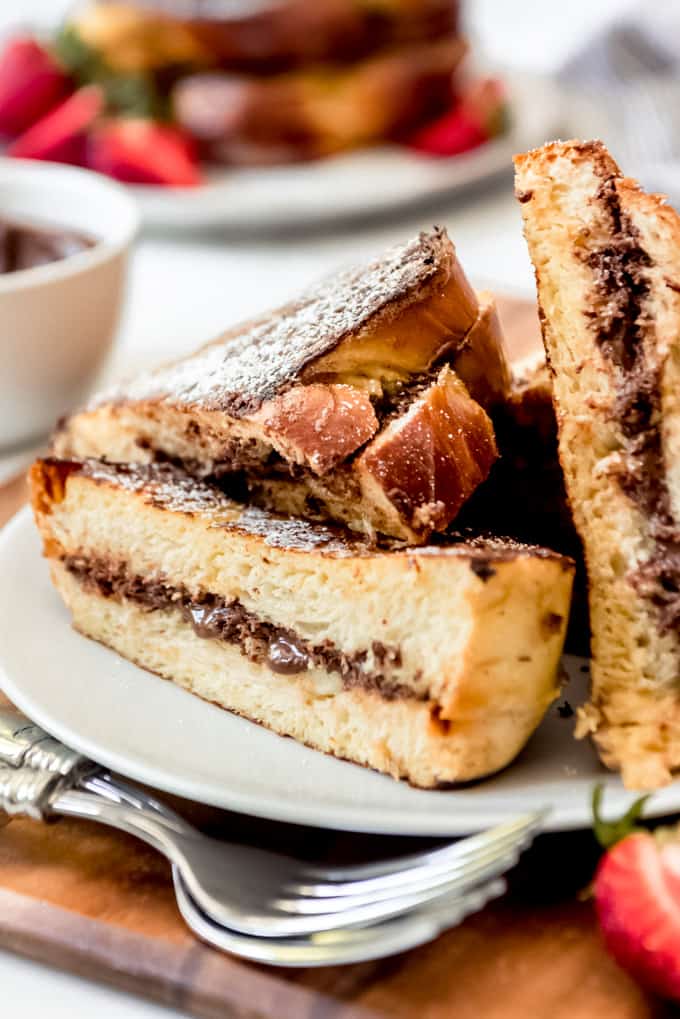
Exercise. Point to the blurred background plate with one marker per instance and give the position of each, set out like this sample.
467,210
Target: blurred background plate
370,182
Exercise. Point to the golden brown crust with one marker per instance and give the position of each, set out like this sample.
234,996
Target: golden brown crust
308,390
168,488
319,425
430,460
482,361
257,360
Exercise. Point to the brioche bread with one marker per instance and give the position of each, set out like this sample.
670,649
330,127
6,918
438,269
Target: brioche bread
387,658
316,111
410,480
607,262
261,36
314,399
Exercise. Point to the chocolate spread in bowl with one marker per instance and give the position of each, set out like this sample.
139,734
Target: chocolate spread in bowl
27,245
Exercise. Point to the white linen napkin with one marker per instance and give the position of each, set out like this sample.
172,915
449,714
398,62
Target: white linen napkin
624,87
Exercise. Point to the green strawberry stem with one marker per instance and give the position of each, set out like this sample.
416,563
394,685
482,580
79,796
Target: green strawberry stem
608,833
134,94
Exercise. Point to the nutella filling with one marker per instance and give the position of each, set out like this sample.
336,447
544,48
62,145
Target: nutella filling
620,270
215,618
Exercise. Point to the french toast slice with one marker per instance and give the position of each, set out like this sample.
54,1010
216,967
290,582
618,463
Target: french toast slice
262,37
382,657
317,110
301,397
410,480
607,262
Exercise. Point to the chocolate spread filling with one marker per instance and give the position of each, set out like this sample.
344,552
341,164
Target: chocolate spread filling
621,278
212,616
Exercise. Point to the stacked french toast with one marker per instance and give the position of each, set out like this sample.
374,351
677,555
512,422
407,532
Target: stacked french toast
275,81
306,521
267,522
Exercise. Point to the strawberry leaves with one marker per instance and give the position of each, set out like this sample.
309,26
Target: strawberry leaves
608,833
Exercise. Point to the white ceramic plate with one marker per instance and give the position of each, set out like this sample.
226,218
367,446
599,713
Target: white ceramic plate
366,182
152,731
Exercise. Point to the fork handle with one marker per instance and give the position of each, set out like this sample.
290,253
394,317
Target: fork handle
23,743
26,791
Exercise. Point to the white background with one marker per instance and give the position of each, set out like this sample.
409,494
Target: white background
183,292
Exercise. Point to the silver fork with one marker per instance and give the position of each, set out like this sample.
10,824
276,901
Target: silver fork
253,891
338,947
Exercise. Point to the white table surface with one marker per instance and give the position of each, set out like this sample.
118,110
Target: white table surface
184,292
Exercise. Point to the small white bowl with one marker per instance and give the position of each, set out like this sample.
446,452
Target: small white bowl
57,321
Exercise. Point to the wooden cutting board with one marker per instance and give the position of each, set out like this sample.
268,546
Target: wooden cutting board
98,903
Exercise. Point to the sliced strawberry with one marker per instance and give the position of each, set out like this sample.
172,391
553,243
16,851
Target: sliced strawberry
31,84
477,115
484,102
61,135
637,896
451,134
144,152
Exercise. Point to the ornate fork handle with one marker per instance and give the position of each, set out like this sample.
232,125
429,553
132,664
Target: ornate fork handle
23,743
34,768
27,791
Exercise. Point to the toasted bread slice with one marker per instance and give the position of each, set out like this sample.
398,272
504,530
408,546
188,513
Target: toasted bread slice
482,360
268,35
300,392
607,261
313,112
410,480
380,657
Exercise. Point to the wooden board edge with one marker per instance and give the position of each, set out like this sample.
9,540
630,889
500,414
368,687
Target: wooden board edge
189,976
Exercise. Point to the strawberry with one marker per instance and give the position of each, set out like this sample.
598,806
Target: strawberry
451,134
31,84
637,899
61,135
142,151
477,116
484,102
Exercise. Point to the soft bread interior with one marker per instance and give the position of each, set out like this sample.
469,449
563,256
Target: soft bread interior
578,213
402,738
435,608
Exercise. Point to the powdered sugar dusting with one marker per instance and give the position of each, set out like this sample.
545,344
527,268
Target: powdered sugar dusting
161,484
238,372
291,533
169,488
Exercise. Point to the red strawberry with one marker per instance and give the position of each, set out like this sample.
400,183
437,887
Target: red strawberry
144,152
451,134
61,135
477,115
484,101
637,898
31,84
637,895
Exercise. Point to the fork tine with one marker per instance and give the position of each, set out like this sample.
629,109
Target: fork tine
333,880
397,905
338,947
297,917
462,877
